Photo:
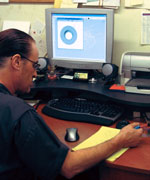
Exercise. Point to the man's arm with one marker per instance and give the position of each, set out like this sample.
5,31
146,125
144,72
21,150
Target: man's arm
80,160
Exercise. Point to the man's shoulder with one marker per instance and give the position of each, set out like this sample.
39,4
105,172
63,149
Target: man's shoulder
14,103
7,98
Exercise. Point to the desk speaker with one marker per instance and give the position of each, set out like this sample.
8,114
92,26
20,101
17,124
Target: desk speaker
109,71
43,65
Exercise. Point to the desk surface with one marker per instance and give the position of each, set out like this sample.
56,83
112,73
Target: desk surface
134,160
98,89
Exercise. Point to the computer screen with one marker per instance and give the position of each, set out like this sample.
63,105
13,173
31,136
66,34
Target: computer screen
80,38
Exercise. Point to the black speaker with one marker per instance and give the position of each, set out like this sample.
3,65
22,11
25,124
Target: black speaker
43,65
109,71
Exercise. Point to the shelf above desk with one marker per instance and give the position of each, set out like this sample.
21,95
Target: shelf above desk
97,89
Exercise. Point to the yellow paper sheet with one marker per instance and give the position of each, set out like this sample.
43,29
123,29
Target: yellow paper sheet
57,3
65,4
102,135
68,4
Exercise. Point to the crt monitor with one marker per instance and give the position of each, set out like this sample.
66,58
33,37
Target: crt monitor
80,38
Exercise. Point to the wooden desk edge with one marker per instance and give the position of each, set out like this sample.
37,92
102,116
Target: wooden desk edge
90,129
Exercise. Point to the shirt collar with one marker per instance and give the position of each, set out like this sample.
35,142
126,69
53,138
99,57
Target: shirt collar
3,89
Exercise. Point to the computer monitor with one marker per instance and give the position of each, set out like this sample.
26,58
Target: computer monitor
80,38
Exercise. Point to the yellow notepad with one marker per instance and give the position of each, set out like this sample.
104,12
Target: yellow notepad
102,135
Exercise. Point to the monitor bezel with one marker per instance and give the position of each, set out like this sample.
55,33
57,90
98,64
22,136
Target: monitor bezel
79,64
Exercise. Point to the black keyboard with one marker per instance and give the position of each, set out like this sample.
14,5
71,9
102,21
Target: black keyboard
83,110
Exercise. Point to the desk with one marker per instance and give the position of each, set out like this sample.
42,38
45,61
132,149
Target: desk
133,164
98,90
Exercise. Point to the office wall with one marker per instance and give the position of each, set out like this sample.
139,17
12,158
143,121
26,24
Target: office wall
27,12
127,32
127,26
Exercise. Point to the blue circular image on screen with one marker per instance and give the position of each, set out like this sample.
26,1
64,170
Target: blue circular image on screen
68,35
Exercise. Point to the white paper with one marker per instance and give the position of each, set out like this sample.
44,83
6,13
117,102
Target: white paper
130,3
67,77
136,2
40,43
127,3
4,1
139,4
21,25
111,3
37,27
79,1
93,3
145,28
68,4
146,4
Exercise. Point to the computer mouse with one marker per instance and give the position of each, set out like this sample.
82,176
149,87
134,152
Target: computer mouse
71,135
122,123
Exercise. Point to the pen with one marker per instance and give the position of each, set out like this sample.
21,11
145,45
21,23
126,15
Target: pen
140,126
137,127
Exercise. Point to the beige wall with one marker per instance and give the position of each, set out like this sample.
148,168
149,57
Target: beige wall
27,12
127,32
127,27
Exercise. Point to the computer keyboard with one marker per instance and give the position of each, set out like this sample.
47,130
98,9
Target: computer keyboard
83,110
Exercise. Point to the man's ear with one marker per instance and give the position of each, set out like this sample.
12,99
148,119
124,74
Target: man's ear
16,61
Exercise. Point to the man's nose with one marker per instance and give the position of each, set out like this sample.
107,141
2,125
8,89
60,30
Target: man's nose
35,74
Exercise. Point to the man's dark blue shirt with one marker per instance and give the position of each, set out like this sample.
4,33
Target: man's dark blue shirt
28,148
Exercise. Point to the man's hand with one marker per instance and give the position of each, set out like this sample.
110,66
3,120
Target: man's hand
129,136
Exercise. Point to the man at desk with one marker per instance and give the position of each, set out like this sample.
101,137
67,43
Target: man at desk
28,148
